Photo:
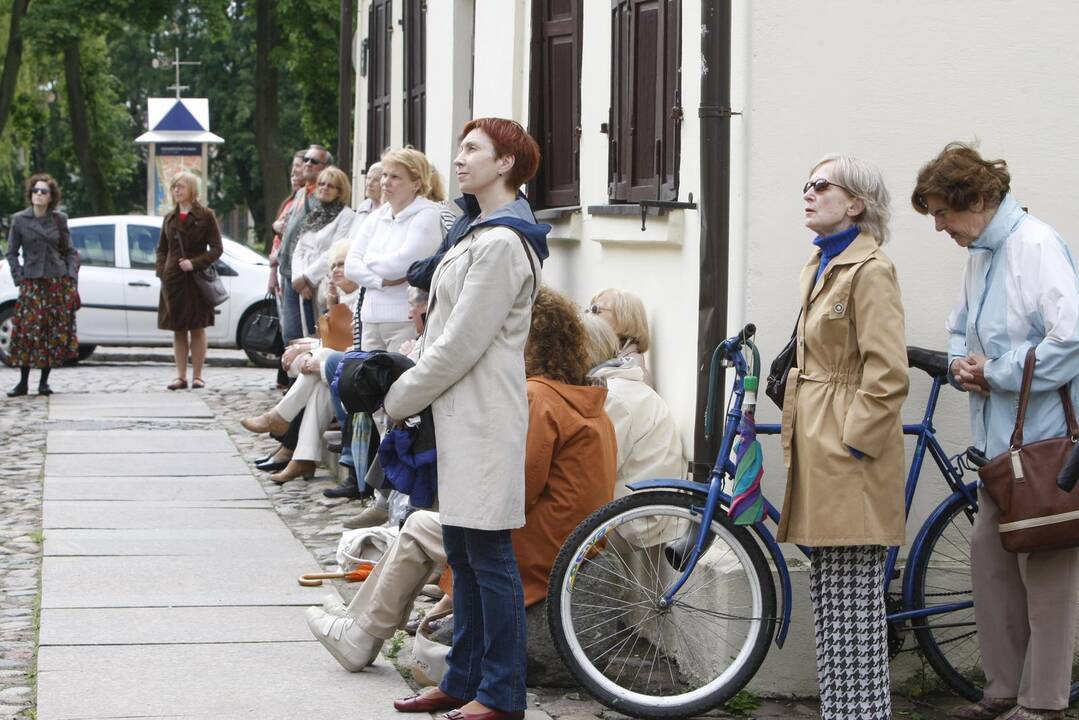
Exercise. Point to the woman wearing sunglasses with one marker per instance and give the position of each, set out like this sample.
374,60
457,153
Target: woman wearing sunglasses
329,223
43,330
842,432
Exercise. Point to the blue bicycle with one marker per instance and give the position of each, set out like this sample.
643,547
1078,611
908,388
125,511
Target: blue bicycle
662,607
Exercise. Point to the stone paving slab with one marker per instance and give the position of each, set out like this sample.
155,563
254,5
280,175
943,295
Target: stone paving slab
147,581
166,488
142,626
145,412
146,464
138,441
159,516
299,680
258,544
128,399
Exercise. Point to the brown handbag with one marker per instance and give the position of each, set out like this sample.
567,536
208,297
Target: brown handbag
335,328
1035,514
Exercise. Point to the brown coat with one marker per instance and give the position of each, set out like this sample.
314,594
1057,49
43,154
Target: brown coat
569,473
847,392
197,237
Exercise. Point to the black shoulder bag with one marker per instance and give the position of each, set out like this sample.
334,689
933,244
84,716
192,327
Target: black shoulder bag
776,386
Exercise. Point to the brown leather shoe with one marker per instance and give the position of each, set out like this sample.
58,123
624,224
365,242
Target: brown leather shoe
435,701
268,422
489,715
985,709
295,469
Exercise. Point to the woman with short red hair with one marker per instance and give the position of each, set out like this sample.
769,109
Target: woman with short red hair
471,372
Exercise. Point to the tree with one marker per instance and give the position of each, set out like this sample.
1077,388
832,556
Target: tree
12,59
272,161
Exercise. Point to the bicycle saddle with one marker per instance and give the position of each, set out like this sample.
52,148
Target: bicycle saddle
933,362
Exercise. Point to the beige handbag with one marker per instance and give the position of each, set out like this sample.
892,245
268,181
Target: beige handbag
429,657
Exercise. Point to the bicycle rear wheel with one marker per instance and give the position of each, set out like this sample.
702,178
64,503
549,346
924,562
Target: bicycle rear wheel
623,644
942,576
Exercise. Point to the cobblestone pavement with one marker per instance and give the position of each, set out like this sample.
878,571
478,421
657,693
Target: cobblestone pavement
233,392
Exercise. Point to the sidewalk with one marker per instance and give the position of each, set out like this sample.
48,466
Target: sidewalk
169,581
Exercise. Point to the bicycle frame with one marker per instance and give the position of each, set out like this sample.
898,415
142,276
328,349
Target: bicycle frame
715,497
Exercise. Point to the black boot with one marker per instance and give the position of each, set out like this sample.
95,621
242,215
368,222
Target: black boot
347,489
43,384
24,383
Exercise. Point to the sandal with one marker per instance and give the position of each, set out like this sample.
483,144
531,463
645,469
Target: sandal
197,383
178,384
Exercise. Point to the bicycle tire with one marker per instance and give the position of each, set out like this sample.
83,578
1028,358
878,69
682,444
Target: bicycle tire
939,645
591,558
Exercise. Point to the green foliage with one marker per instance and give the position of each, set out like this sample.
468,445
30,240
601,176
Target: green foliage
118,40
742,703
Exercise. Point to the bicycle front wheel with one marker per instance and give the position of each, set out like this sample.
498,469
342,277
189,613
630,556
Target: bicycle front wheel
630,649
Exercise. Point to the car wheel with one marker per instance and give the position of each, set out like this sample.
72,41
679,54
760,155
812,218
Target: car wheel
7,324
260,359
86,351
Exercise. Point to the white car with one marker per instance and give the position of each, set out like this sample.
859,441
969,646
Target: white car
120,292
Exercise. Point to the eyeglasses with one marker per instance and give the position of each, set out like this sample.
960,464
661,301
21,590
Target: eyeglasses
312,161
596,309
820,185
328,184
41,191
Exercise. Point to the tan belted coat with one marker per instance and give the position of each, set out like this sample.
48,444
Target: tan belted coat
847,391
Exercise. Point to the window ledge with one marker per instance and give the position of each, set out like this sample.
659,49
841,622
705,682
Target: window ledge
665,227
557,213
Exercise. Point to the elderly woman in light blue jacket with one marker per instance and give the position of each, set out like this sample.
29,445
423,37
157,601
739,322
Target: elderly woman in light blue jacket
1020,290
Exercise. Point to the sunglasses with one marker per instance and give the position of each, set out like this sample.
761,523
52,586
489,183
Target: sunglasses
820,185
312,161
329,185
596,309
337,265
41,191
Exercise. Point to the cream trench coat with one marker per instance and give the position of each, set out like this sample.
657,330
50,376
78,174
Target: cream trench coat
471,371
847,392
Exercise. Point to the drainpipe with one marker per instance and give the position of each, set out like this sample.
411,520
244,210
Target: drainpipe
715,122
344,87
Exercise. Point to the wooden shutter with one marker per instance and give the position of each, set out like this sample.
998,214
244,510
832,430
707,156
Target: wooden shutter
555,102
645,99
379,32
415,25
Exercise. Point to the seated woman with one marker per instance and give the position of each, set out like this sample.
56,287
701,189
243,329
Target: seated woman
329,224
649,442
310,392
569,473
625,313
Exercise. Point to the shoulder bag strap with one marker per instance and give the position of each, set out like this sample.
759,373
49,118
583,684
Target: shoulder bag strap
1024,398
531,264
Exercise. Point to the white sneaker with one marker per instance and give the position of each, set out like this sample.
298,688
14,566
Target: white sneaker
333,606
350,645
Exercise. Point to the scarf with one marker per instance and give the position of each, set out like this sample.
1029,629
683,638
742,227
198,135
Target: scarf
831,245
321,216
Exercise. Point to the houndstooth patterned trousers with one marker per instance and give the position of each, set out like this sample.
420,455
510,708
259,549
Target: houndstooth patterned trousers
847,588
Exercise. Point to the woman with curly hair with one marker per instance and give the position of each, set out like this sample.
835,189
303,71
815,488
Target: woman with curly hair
43,332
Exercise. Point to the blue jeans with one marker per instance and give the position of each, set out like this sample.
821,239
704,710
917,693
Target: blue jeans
291,304
330,363
488,658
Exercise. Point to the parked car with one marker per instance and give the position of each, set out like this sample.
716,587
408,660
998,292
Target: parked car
120,292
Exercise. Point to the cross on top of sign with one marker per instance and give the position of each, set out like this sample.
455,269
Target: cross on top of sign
175,63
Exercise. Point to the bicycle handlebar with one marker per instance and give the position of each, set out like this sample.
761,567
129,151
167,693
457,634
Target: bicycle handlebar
729,349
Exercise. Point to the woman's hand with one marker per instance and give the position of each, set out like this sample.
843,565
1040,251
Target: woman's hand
279,226
309,366
970,373
391,283
186,265
299,284
291,353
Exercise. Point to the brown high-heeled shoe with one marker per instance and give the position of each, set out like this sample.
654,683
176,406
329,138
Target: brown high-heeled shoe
267,422
295,469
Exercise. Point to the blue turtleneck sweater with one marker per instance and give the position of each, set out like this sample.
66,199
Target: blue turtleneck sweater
831,245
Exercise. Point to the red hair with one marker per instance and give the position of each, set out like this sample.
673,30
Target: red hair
509,140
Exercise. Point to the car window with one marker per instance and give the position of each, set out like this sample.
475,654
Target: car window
142,246
242,252
96,244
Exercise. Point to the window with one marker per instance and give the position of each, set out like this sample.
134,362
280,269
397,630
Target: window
96,244
646,112
415,27
142,246
555,100
379,32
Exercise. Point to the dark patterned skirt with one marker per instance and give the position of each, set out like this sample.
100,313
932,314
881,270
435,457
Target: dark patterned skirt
43,332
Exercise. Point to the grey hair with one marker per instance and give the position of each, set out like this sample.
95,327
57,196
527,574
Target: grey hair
417,296
866,183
